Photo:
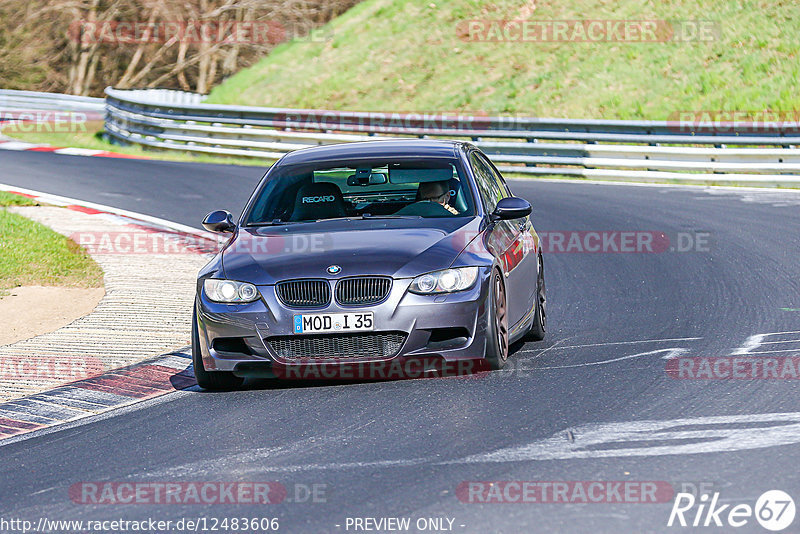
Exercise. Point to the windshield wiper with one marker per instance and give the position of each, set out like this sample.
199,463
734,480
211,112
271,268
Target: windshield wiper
370,216
278,222
274,222
334,219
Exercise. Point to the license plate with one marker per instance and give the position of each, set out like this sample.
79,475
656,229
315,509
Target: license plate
321,323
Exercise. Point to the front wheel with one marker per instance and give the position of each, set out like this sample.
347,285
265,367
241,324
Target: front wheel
539,325
497,330
211,380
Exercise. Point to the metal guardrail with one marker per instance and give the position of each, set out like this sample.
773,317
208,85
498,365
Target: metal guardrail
474,127
521,145
31,101
625,150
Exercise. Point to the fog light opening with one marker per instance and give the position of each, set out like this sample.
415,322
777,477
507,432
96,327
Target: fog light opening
448,338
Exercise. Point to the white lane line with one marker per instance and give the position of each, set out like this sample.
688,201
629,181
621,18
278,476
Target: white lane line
73,151
618,343
769,351
59,200
344,466
776,333
756,341
18,145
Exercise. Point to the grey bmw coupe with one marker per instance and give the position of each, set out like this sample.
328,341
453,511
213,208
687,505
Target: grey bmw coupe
365,253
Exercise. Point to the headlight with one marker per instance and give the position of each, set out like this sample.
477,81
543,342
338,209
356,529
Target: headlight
229,291
446,281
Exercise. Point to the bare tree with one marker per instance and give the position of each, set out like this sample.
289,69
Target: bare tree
81,46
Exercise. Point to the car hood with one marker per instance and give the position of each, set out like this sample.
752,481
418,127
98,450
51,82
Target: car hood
397,248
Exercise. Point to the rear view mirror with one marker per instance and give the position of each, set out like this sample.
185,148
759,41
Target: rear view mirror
219,221
374,178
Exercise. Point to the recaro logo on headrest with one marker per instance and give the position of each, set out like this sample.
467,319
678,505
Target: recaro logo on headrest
314,200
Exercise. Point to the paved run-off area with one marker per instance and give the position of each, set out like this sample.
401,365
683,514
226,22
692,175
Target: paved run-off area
149,278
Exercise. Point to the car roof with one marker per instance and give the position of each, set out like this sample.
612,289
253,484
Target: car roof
394,148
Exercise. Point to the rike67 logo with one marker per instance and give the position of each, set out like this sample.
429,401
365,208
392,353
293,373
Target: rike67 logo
774,510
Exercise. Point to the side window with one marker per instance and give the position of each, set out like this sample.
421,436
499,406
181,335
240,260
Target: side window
501,183
489,188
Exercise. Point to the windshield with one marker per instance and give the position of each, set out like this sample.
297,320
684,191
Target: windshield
434,188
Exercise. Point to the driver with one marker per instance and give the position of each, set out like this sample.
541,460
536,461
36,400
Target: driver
438,192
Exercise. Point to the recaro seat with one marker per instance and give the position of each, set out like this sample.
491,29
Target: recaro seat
321,200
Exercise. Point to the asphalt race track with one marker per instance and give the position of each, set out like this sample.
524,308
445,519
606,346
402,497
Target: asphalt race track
593,402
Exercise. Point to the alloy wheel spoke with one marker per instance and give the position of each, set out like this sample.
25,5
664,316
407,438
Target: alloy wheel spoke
501,319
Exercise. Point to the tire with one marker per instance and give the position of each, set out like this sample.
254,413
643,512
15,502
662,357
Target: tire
539,325
497,329
211,380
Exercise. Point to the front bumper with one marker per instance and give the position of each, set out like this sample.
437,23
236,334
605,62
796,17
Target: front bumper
235,337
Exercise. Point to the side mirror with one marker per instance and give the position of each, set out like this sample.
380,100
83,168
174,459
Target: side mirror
511,208
220,221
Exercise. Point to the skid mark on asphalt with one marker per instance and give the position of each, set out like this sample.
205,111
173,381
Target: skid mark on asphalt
542,352
782,342
694,435
618,343
263,459
655,438
527,363
666,353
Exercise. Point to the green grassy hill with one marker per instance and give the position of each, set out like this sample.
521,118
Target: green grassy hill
409,56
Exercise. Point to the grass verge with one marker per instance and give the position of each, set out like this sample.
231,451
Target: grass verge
33,254
415,55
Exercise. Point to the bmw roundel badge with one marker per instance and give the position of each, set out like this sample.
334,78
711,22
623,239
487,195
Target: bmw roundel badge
334,269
